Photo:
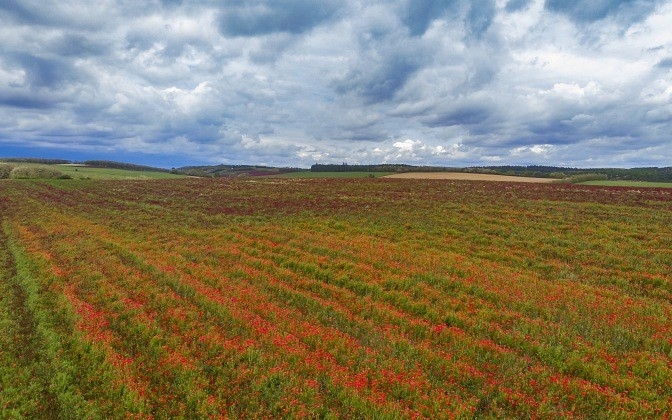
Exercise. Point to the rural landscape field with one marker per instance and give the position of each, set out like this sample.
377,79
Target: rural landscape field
334,298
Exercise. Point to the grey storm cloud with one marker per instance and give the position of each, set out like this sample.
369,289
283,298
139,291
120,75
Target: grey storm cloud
78,45
26,101
516,5
379,81
480,16
52,73
23,11
61,15
250,18
665,63
466,115
590,11
420,14
171,3
294,82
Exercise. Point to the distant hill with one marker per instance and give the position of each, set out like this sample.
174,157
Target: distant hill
650,174
122,165
233,170
91,163
653,174
36,160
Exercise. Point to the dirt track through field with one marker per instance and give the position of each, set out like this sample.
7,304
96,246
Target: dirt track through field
469,177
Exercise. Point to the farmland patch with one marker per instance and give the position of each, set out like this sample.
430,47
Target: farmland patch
468,177
361,298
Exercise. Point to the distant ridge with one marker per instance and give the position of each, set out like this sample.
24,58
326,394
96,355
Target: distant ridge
37,160
122,165
92,163
651,174
233,170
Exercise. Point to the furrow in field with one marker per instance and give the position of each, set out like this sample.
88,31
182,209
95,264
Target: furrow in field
24,390
363,298
294,282
96,320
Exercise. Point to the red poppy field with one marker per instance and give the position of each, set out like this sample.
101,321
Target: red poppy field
334,298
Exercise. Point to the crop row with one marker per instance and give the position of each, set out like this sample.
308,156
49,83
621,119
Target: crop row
348,298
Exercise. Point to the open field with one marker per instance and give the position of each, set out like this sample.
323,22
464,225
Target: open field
87,172
318,175
334,298
469,177
78,171
634,184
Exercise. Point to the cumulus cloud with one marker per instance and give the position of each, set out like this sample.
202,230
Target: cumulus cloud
294,82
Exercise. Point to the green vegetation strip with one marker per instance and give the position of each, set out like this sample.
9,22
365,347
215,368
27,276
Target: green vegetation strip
70,171
87,172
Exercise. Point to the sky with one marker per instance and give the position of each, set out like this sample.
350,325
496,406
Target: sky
454,83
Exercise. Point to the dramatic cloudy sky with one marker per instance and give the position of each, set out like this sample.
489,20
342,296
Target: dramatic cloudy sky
294,82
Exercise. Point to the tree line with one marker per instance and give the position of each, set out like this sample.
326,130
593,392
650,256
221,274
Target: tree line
652,174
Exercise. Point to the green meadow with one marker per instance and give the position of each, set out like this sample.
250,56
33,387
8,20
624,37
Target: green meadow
87,172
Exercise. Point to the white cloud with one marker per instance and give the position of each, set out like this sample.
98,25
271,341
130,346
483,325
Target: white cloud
407,145
421,82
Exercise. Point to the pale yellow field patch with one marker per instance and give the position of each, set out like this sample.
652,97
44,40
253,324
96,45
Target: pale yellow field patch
469,177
